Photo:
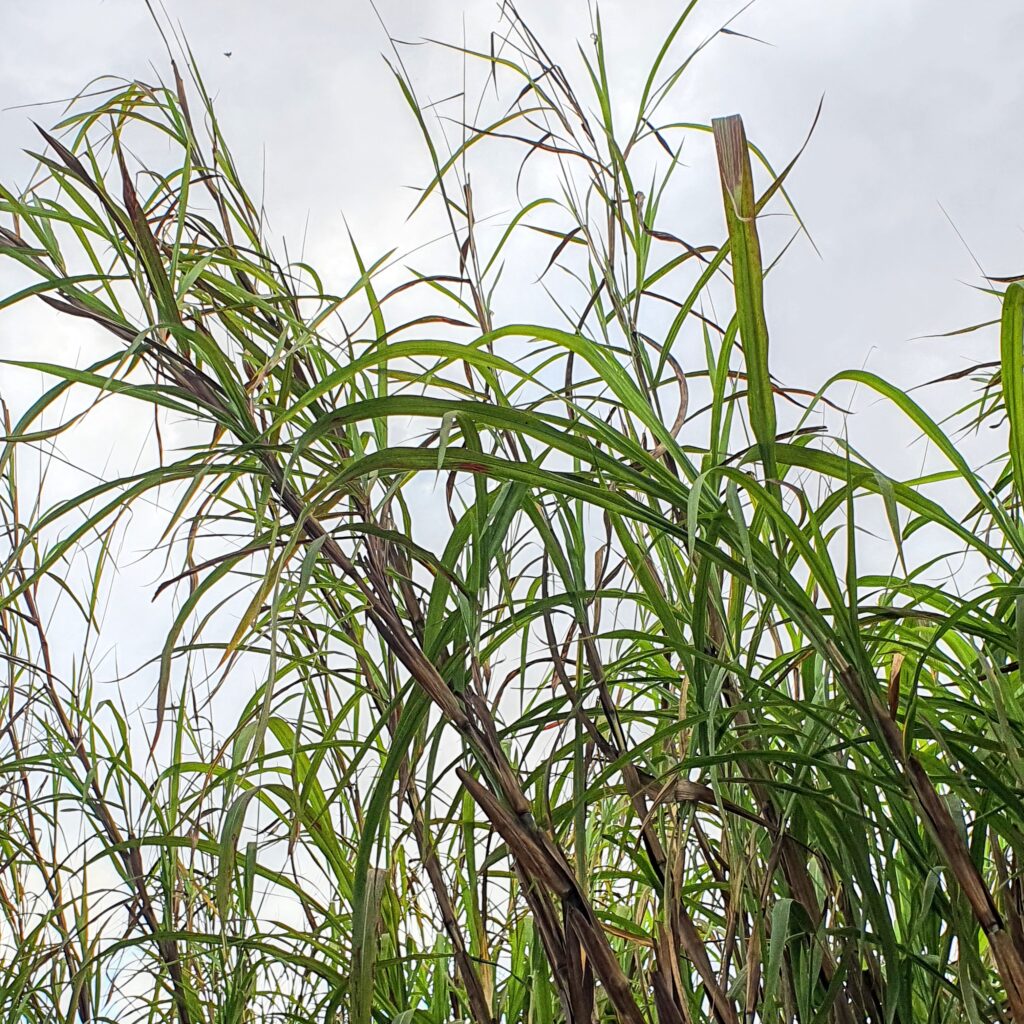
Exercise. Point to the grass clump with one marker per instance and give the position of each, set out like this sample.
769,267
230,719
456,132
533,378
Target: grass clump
521,668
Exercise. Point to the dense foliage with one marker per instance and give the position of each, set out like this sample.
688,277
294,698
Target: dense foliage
517,671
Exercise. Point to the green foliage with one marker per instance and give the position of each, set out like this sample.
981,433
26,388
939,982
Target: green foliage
583,690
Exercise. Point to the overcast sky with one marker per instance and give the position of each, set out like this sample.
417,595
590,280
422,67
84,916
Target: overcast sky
922,114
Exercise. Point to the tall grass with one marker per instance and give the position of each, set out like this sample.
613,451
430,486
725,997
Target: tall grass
517,671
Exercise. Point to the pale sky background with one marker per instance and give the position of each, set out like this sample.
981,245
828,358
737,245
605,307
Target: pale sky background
921,114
